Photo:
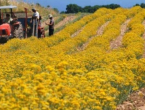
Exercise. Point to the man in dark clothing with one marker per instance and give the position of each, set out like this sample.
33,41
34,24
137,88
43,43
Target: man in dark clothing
8,19
51,25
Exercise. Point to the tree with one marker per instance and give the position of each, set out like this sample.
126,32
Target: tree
96,7
88,9
137,5
142,5
38,4
113,6
73,8
48,6
62,12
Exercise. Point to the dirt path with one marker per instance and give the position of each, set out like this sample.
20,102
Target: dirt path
135,101
118,41
98,33
101,29
144,39
65,21
77,32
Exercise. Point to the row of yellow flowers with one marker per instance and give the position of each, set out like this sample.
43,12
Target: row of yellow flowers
132,39
111,32
37,77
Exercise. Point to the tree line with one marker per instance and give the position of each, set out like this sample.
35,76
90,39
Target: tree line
141,5
74,8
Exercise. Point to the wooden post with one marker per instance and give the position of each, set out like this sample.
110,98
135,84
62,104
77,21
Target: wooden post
36,27
33,33
26,22
0,14
0,17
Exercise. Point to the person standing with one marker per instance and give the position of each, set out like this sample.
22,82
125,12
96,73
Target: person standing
35,18
51,25
35,13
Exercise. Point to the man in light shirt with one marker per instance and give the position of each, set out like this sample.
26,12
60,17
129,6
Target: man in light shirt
36,17
36,13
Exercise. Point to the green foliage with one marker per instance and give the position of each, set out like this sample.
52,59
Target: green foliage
141,5
79,16
38,4
73,8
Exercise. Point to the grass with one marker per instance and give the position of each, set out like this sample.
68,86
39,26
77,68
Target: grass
79,16
21,5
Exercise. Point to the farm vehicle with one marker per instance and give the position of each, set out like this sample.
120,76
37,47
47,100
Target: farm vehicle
21,25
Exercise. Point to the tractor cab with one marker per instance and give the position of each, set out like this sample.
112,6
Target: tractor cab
1,13
19,27
10,27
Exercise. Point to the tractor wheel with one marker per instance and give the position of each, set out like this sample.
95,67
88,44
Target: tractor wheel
3,40
18,31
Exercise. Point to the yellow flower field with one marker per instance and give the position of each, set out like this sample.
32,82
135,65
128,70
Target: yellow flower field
52,74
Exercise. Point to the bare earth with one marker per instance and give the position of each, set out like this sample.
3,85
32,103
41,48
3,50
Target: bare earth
77,32
101,29
118,41
135,101
65,21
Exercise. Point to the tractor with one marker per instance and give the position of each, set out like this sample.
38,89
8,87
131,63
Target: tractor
20,27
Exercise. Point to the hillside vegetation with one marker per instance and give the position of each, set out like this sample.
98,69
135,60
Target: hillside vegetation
21,5
93,63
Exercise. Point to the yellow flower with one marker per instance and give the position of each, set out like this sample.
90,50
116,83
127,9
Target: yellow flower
24,108
50,68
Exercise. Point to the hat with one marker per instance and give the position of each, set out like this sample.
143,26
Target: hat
50,16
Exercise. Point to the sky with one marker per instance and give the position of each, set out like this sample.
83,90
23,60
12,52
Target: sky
61,4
